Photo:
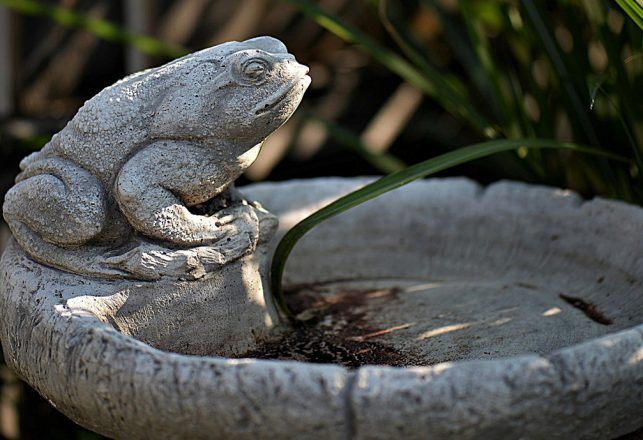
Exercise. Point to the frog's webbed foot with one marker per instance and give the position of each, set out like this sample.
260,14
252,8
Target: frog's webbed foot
238,230
224,226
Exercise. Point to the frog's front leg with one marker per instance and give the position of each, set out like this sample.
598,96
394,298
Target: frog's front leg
157,185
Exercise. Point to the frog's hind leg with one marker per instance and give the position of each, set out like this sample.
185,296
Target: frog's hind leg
59,201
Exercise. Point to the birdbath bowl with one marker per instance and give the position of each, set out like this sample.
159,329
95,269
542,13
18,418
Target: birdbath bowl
512,311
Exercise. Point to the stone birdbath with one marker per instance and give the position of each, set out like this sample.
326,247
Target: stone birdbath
135,290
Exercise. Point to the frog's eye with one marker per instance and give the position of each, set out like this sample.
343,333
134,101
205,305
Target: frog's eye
254,69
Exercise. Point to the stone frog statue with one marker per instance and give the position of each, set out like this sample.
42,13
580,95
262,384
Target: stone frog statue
139,182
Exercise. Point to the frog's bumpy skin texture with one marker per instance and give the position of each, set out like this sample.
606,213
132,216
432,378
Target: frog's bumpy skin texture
139,183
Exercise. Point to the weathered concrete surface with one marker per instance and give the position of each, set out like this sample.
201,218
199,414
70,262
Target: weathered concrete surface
139,184
224,313
122,387
139,187
567,394
479,273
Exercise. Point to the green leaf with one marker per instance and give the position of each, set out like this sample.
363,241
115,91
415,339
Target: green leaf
429,80
99,27
396,180
597,87
633,9
578,108
495,77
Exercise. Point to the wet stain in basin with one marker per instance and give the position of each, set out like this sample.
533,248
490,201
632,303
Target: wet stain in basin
589,309
335,331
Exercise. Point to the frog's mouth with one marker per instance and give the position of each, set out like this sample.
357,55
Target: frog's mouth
279,96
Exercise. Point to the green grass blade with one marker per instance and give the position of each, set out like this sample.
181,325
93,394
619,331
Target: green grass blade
101,28
396,180
579,109
626,129
459,43
633,9
407,48
492,71
436,87
384,162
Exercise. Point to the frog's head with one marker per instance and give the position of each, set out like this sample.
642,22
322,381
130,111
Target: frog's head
235,93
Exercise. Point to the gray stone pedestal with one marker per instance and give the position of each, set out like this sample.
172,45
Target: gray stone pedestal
483,276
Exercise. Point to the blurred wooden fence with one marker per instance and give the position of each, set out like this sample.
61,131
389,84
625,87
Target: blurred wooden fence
48,70
44,62
6,65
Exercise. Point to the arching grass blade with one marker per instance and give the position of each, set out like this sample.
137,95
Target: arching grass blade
396,180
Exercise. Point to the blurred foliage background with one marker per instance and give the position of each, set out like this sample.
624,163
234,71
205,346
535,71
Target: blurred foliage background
394,83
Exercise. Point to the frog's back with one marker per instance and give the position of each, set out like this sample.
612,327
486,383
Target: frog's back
75,211
109,128
106,130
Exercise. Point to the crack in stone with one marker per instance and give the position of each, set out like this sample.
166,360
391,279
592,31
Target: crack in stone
351,383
